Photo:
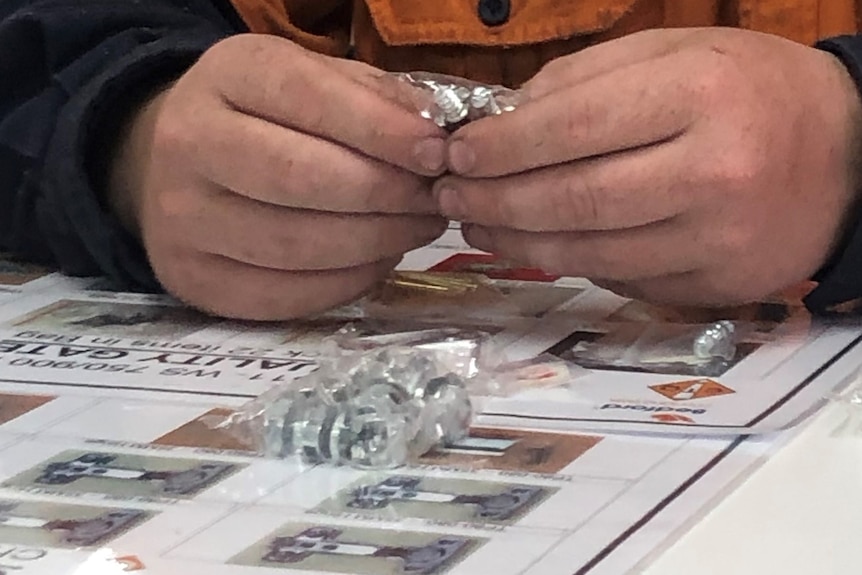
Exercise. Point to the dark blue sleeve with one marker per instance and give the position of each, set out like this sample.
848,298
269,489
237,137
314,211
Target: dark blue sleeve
840,280
70,72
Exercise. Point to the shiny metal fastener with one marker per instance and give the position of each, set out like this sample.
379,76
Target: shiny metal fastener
390,405
716,341
450,102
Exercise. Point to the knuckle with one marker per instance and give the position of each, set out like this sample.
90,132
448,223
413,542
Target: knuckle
579,202
172,134
738,241
736,169
717,76
174,206
730,243
581,120
504,211
548,257
315,115
377,135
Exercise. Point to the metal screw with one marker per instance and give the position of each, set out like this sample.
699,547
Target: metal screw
452,107
480,97
716,341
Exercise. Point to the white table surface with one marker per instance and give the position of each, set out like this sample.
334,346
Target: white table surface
799,514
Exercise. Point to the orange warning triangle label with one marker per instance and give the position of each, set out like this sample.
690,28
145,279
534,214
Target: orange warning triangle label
691,389
672,418
130,563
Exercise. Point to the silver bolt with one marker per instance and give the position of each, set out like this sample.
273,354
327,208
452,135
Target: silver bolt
452,107
716,341
480,97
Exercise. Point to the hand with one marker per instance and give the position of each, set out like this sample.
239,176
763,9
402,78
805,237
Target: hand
270,182
690,167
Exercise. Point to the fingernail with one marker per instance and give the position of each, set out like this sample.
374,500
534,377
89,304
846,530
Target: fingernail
450,203
461,157
431,154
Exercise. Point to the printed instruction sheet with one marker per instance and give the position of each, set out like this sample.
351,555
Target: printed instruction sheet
108,463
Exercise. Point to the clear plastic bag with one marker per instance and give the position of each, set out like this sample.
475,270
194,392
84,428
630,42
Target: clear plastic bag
682,349
541,372
449,101
371,409
380,403
454,299
473,354
459,350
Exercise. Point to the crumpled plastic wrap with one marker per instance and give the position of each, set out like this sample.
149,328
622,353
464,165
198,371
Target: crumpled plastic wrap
370,409
683,349
450,101
452,298
381,402
473,354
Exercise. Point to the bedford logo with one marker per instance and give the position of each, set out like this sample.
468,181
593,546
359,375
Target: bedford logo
654,408
671,418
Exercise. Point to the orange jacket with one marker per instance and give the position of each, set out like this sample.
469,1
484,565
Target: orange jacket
507,41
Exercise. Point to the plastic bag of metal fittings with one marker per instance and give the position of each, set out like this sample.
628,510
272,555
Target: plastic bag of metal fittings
450,101
461,350
382,406
707,350
370,409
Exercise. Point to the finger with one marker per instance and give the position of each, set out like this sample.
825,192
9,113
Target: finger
624,190
593,61
622,255
697,289
388,85
282,238
271,164
276,80
621,110
226,288
360,72
617,287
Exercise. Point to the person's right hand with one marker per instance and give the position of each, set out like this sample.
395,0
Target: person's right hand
270,182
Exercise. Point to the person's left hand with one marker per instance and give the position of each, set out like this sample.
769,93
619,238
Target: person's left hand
693,167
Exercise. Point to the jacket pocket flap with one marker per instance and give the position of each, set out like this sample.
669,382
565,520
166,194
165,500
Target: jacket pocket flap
413,22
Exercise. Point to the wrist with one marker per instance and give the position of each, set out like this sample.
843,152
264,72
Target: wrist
839,278
848,99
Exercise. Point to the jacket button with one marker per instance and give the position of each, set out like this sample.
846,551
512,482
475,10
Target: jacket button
494,12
